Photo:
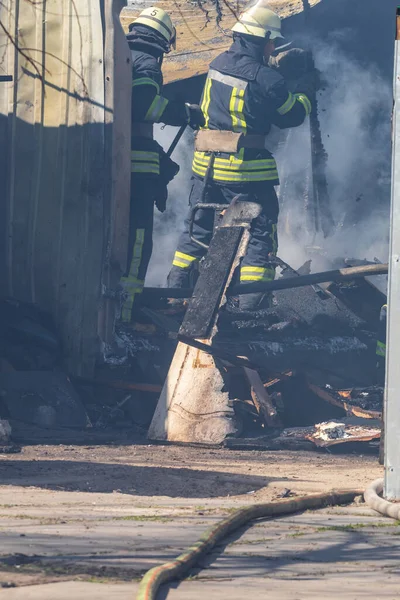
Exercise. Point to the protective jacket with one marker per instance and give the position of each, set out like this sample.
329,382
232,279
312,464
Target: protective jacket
149,106
151,168
244,95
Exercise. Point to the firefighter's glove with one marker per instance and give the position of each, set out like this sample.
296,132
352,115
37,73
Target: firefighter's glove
293,64
309,84
162,197
195,117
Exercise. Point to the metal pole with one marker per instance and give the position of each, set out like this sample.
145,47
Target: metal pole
392,389
278,284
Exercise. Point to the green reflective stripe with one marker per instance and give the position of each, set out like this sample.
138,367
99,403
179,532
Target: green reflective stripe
288,105
145,162
156,109
205,104
136,253
153,157
132,284
184,261
145,81
274,238
303,99
145,168
236,107
381,349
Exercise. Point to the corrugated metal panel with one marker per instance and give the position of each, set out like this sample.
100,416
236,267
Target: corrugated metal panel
199,38
59,127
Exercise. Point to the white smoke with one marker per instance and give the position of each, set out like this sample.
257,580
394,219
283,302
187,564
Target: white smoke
168,225
355,115
355,112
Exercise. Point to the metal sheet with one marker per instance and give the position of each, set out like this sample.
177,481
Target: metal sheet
392,405
199,38
57,165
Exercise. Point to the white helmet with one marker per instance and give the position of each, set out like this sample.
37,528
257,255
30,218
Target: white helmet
156,18
260,21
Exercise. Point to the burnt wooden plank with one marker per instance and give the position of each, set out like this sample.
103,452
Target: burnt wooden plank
361,297
261,399
211,284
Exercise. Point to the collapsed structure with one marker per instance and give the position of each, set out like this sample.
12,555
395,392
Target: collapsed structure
326,335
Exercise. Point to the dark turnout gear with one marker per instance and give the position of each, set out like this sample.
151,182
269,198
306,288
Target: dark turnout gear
244,96
255,266
293,64
151,168
195,116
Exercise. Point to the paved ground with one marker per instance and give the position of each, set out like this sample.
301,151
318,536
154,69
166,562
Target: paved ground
89,521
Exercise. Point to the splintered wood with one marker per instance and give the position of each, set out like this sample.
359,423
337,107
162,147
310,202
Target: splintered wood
261,399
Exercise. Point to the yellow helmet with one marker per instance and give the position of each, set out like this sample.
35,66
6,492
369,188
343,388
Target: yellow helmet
156,18
260,21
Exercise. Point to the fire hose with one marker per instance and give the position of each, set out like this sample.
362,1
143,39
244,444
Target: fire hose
178,568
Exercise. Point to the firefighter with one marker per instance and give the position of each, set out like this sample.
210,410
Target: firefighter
150,36
245,95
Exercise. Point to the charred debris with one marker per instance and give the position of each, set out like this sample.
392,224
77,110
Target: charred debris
302,374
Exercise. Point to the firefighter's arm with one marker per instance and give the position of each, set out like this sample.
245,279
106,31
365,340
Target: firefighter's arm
290,109
149,105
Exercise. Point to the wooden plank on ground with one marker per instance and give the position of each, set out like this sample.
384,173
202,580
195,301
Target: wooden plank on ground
261,399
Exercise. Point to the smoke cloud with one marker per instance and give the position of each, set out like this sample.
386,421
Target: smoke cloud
355,114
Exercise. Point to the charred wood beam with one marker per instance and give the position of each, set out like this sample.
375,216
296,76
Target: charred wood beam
280,284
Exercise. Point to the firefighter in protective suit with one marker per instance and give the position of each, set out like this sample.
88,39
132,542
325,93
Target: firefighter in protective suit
150,36
245,95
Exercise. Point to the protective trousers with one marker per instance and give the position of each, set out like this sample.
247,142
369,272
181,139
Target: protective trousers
256,265
144,190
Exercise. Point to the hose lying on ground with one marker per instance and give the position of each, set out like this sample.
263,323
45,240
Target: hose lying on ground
178,568
372,498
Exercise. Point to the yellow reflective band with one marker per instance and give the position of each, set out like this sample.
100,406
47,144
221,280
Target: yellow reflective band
131,284
184,261
236,107
262,270
235,168
381,349
156,109
145,156
145,162
257,274
256,278
302,98
182,265
238,176
288,105
145,81
274,238
145,168
248,165
205,105
185,256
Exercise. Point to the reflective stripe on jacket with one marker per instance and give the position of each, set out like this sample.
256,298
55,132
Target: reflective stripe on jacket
148,103
243,95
